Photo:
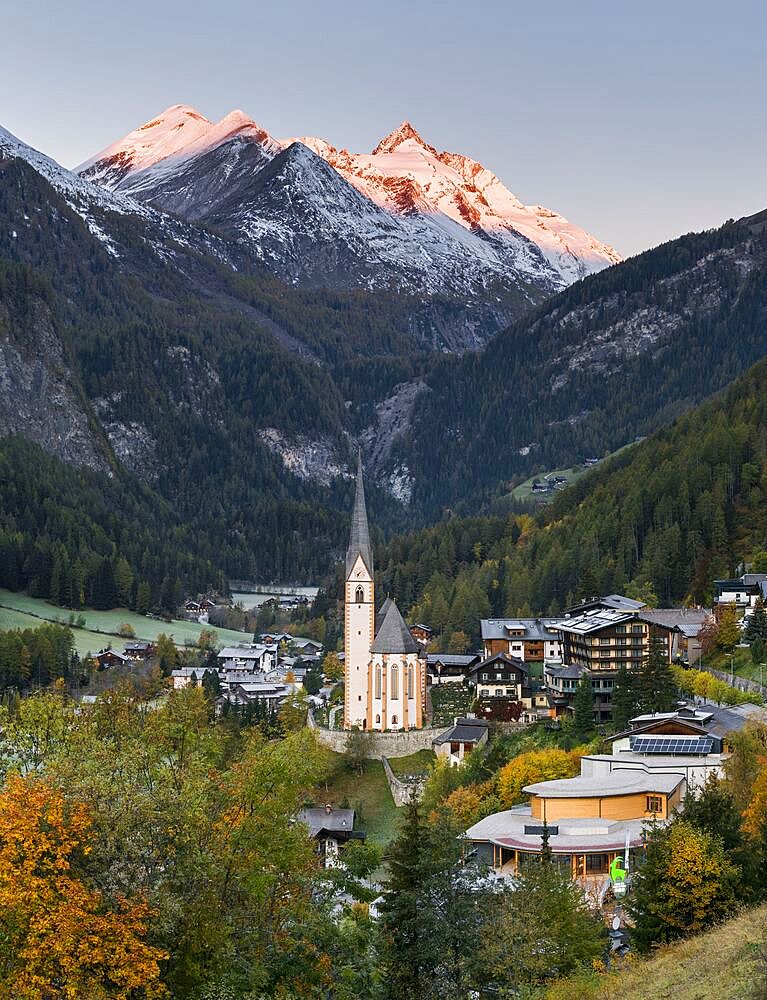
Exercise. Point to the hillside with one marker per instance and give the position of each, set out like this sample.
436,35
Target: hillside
727,963
614,357
668,515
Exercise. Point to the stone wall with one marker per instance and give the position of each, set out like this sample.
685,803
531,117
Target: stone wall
381,744
402,791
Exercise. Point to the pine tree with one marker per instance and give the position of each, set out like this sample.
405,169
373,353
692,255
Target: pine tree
410,929
624,699
657,690
583,709
104,587
756,626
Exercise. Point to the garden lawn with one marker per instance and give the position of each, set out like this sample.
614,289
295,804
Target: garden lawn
415,763
367,793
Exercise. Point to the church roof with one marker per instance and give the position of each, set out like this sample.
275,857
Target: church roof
381,614
359,539
394,636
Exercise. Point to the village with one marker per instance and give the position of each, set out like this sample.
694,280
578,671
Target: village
386,696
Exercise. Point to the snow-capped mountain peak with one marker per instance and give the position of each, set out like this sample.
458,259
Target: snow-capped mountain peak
405,133
404,216
162,145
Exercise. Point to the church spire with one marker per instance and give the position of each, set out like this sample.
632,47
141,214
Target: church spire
359,540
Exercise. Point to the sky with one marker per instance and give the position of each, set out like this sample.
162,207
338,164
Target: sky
637,120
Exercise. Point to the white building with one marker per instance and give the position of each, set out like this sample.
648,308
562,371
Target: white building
384,671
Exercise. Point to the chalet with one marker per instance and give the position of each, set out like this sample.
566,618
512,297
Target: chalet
452,668
499,676
139,650
464,736
503,688
330,828
744,591
248,692
276,638
532,640
421,633
310,647
110,658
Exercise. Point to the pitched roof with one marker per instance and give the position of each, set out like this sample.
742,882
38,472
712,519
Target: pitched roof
464,731
341,820
534,628
381,614
359,539
503,660
394,636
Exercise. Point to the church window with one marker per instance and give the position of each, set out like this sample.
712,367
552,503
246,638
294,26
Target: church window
378,720
410,682
360,595
395,681
394,720
378,682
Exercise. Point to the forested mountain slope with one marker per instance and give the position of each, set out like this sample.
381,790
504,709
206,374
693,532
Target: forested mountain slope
613,357
666,516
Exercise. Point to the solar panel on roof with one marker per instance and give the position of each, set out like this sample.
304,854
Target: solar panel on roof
672,744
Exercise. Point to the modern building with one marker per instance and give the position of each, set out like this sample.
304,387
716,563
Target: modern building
744,591
253,658
591,821
384,666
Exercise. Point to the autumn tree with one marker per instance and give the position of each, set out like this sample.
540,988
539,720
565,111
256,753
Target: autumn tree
533,766
166,653
728,634
54,928
686,883
332,667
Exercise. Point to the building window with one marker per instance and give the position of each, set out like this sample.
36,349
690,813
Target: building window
637,628
394,693
360,595
654,804
499,692
410,682
394,720
378,682
378,720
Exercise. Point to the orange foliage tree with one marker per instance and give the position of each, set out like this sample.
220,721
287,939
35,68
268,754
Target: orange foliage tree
536,765
755,815
58,937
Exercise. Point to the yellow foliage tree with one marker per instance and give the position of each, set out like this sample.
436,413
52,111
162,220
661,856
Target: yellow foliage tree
755,815
58,937
465,804
536,765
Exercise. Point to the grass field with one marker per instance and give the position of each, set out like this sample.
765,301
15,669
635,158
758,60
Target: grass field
416,763
740,663
727,963
22,611
368,794
525,490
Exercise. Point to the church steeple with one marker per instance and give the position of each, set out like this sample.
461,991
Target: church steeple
359,540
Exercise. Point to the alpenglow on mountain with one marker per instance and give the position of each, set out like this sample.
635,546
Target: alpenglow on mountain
403,217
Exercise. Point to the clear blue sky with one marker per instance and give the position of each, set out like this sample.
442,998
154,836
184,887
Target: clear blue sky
637,119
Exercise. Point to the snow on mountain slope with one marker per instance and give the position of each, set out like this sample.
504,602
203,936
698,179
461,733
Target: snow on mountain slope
432,223
155,151
407,176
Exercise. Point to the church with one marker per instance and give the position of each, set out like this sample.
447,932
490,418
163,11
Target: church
384,669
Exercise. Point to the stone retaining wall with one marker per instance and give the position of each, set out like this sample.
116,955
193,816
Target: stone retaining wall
402,791
382,745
